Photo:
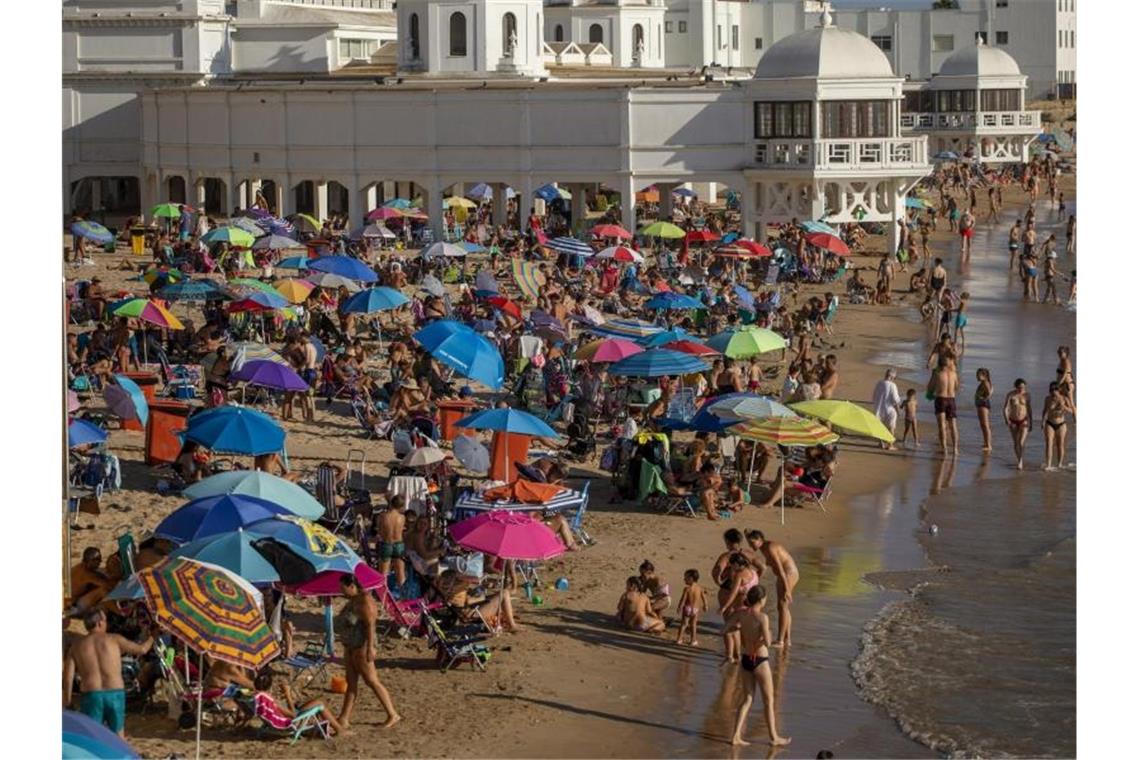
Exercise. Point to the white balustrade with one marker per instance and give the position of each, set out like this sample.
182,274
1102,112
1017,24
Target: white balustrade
842,154
1014,121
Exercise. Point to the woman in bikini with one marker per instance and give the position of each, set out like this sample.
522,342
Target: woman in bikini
634,610
982,404
1065,377
1018,413
743,576
1055,426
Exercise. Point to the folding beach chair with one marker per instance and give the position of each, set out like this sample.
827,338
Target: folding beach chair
576,523
818,495
450,652
406,614
653,492
307,665
265,708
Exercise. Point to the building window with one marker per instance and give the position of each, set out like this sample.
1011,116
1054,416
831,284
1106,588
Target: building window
668,27
558,32
985,37
884,41
357,50
758,43
1001,100
1005,3
719,36
1060,38
1073,38
855,118
783,120
638,38
943,43
510,29
1003,38
951,101
457,28
595,33
735,37
682,27
414,34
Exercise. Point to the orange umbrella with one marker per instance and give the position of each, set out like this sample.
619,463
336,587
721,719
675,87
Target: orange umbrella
524,492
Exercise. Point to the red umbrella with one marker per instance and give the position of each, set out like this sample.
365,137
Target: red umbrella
829,242
754,247
691,347
735,250
610,230
384,213
701,236
506,306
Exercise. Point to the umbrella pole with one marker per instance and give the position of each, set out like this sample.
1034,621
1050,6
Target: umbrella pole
198,736
751,463
783,490
329,648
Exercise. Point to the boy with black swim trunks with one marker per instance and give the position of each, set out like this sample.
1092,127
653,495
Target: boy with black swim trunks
755,637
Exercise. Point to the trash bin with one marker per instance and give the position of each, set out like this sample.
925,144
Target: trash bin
138,240
162,442
451,412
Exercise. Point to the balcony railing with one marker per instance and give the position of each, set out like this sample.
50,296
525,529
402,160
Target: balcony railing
372,5
842,154
998,120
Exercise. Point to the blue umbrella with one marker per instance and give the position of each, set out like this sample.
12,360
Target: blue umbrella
946,155
673,301
625,328
730,237
400,203
294,262
126,399
747,300
194,290
83,433
667,336
233,552
262,485
570,246
915,203
548,193
684,192
507,421
472,247
235,430
481,192
92,231
464,350
310,541
213,515
84,738
706,422
658,362
813,226
345,266
373,299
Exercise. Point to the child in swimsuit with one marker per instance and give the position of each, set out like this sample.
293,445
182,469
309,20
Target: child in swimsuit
691,605
910,416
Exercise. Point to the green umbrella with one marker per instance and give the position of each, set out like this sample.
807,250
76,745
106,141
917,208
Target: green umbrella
232,235
167,211
306,220
750,341
662,230
252,284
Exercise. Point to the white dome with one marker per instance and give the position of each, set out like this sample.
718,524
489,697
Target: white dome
825,52
979,60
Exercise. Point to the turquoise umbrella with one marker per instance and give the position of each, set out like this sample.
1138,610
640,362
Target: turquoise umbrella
126,399
262,485
231,551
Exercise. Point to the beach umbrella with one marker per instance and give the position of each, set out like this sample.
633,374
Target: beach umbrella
413,213
508,535
201,289
248,350
550,193
471,247
440,249
258,301
946,155
691,347
524,492
398,203
383,214
327,583
126,399
626,328
167,211
471,453
374,230
464,350
662,230
507,421
570,246
845,417
746,405
293,262
276,243
235,236
684,192
213,515
372,300
270,374
312,541
84,433
332,281
234,552
85,738
249,225
816,226
673,301
781,431
754,248
455,201
92,231
292,290
431,285
305,223
620,253
148,311
829,242
236,430
658,362
250,284
345,266
661,337
607,350
912,202
610,231
261,485
424,456
747,342
163,275
701,236
747,300
506,305
528,278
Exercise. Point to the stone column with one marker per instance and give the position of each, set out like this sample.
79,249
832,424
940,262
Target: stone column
370,198
433,206
227,193
628,202
578,206
242,194
898,211
200,193
279,193
525,200
289,200
499,202
748,226
97,195
321,188
355,202
665,202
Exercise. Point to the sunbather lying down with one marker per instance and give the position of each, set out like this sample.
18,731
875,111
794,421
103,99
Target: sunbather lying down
454,589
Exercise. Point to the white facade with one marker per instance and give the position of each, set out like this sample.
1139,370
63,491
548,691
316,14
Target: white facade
632,30
471,37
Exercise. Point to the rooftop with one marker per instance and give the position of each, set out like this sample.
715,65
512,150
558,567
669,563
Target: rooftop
825,52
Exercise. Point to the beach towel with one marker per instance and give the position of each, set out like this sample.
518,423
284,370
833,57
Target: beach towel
530,346
414,489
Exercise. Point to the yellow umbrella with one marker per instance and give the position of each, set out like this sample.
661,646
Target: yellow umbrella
455,200
847,418
293,290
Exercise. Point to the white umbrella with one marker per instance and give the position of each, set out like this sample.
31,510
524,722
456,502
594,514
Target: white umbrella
472,454
441,248
424,456
432,285
333,281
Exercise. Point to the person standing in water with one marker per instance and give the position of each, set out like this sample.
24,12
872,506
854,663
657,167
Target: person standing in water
780,561
751,623
943,387
982,403
1017,410
1055,425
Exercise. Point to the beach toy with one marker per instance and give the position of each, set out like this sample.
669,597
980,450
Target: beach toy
536,600
562,584
338,685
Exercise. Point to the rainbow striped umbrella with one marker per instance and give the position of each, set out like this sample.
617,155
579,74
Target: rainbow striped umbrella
785,431
527,277
148,311
214,611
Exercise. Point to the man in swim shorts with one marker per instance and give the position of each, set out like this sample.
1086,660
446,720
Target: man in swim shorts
98,660
944,388
390,526
755,637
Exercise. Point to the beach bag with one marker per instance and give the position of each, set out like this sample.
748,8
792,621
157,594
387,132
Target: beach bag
469,564
402,442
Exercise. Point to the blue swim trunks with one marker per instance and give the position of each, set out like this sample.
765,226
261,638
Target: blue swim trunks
108,707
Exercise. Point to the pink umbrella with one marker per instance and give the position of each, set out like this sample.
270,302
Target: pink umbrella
72,401
327,583
507,535
608,350
384,213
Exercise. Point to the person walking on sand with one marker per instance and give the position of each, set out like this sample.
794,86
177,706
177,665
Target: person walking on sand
98,660
779,559
751,623
886,401
982,395
1055,425
943,387
966,231
356,625
1017,410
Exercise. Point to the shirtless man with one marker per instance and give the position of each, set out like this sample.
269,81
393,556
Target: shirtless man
390,526
787,574
98,659
1014,242
944,387
829,382
755,638
1018,413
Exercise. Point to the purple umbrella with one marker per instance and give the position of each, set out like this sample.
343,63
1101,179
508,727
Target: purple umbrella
270,374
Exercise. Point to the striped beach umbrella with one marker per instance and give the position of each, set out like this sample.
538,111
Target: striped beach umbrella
813,226
620,253
658,362
527,277
214,611
785,431
633,329
746,405
248,350
570,246
148,311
